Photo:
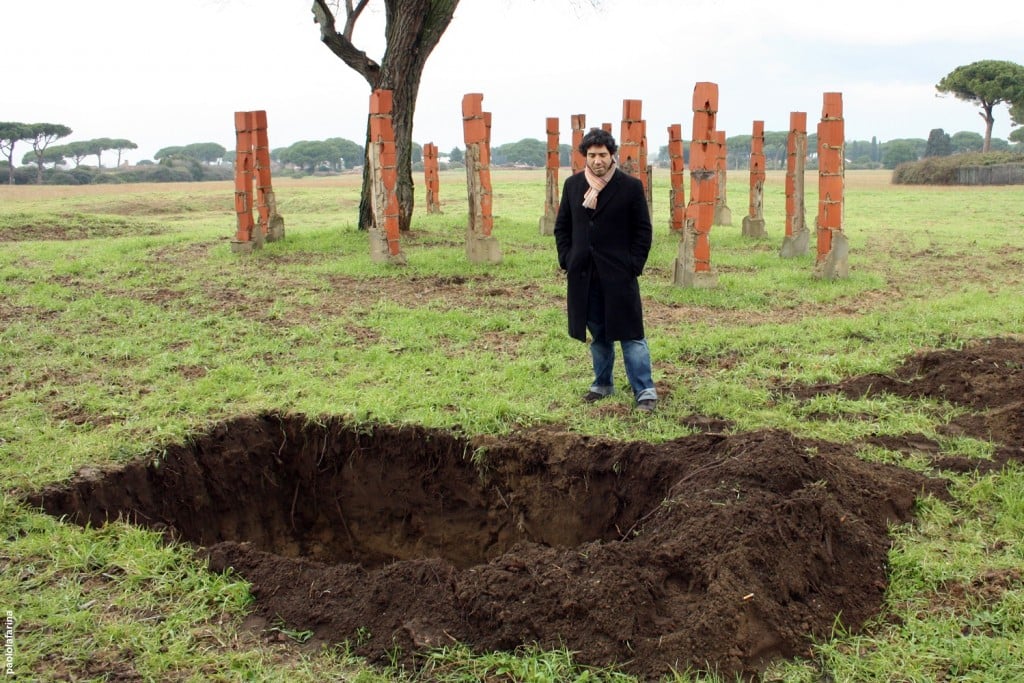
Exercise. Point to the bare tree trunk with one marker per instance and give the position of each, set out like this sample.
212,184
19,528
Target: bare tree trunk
366,199
986,115
405,93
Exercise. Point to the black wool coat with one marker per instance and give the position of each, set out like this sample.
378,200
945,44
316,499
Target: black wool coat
611,241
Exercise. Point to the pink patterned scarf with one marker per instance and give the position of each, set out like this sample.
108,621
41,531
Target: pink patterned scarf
597,183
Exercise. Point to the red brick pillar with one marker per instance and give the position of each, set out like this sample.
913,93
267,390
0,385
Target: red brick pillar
833,247
723,214
646,168
579,126
547,221
693,264
629,139
431,179
797,235
383,158
753,222
270,221
247,237
633,145
481,247
677,178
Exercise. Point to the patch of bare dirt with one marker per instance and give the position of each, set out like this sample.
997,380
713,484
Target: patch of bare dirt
170,205
73,226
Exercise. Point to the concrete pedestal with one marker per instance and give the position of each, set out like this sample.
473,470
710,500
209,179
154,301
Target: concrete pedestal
835,265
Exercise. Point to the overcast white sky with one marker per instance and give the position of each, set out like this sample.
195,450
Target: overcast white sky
173,72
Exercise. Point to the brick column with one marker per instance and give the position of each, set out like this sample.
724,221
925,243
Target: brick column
633,145
431,179
648,170
723,214
481,247
833,247
579,126
797,235
629,139
547,221
247,237
693,264
753,222
383,158
270,221
677,178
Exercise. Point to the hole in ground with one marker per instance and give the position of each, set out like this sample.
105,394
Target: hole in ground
339,495
714,550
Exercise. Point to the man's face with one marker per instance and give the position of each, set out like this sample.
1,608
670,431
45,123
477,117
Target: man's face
599,159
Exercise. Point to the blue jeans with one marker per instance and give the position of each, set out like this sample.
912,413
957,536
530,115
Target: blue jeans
636,356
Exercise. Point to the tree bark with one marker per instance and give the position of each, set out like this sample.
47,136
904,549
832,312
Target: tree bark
989,119
413,29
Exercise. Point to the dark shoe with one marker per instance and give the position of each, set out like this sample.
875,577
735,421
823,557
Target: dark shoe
593,396
646,405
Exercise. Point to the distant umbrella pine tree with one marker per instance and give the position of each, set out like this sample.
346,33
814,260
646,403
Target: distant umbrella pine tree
986,83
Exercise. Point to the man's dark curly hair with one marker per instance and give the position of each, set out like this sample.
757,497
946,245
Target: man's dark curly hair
598,137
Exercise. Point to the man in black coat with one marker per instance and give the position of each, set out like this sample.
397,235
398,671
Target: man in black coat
603,234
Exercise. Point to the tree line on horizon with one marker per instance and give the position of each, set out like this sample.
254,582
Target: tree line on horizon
182,163
985,83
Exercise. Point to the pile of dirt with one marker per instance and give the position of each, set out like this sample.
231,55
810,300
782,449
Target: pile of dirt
719,551
985,378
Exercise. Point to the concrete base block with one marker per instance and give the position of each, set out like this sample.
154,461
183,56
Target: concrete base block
753,227
547,225
685,276
723,215
795,244
243,247
835,265
378,246
379,252
275,229
482,249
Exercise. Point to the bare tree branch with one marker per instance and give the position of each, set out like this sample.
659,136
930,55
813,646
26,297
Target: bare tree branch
352,14
341,45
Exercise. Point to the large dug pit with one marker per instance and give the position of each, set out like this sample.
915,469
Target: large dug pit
710,551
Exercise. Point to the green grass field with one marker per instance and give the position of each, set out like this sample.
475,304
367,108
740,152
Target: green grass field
127,323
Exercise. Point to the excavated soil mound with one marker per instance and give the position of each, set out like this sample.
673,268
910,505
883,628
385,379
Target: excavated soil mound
714,551
986,379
